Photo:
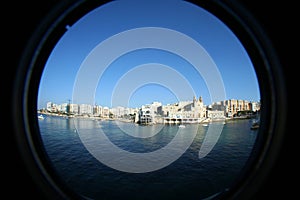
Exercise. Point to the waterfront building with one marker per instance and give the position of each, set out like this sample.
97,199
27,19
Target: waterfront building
74,108
85,109
254,106
63,107
168,110
234,105
193,111
149,113
97,110
51,107
146,115
184,112
119,111
215,114
105,112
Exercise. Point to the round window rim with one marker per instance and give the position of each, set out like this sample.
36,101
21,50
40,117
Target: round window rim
232,14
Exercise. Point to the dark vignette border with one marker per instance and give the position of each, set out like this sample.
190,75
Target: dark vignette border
26,85
232,13
272,90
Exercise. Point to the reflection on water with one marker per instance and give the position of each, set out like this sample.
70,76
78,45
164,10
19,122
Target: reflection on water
187,178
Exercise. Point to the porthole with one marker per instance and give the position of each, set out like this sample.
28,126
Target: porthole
149,100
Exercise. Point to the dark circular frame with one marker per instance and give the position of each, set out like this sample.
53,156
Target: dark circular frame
234,15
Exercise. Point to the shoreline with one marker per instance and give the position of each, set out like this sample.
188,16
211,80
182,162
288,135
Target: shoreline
205,121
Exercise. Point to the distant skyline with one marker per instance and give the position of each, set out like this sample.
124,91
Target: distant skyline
79,41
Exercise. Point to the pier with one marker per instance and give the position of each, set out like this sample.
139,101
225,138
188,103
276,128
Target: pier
173,120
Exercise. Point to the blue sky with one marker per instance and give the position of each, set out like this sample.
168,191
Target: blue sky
82,38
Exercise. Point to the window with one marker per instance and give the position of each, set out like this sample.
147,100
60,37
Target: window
124,56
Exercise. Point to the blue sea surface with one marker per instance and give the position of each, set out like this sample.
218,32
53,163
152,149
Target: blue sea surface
187,178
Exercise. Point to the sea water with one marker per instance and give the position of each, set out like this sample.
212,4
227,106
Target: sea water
188,177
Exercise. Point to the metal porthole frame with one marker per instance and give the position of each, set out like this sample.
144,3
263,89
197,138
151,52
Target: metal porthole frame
236,17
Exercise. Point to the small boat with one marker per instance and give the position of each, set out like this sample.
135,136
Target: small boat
40,116
255,125
181,126
255,122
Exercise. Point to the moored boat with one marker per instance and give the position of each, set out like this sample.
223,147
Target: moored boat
255,125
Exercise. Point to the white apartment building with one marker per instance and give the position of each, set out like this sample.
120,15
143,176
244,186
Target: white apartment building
85,109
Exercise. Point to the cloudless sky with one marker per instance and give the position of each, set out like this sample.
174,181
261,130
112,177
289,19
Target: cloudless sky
86,34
